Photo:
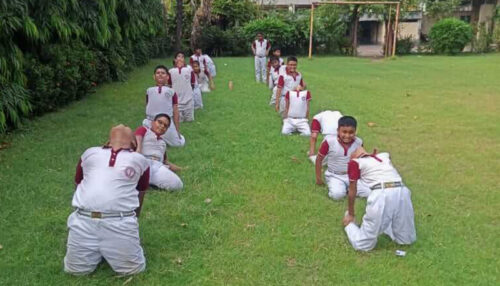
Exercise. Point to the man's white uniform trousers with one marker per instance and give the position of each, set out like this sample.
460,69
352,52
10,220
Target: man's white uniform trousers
389,208
115,239
162,177
300,125
260,68
338,183
171,136
388,211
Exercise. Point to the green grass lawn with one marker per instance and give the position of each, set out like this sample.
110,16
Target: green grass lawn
268,223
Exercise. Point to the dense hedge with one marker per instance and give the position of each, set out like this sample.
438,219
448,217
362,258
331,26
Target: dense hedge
53,52
449,36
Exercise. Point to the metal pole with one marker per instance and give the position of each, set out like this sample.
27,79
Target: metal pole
311,31
388,34
395,31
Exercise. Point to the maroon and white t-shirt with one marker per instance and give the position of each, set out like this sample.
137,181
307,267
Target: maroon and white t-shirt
201,59
288,81
373,169
108,180
152,144
261,47
274,75
182,80
298,103
326,122
280,60
338,153
160,99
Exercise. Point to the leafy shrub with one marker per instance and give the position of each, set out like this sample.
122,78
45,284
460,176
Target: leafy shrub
404,45
450,36
14,103
274,29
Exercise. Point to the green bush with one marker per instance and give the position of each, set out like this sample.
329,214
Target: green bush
14,103
404,45
274,29
449,36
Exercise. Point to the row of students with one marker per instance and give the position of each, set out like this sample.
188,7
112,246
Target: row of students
350,170
111,181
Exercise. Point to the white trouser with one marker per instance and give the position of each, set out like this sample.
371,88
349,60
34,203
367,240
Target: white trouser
162,177
198,100
205,87
338,186
388,211
186,111
313,160
115,239
273,96
260,68
171,137
291,125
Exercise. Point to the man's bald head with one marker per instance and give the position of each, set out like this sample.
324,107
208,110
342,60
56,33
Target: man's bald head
121,136
358,153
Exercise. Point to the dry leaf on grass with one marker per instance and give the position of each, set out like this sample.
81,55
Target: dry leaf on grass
128,280
291,262
208,200
371,124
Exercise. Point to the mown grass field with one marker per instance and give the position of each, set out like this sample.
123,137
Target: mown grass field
268,223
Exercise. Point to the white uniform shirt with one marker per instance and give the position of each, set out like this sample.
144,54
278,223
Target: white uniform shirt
274,75
201,59
326,122
152,144
182,81
298,103
160,99
260,47
338,153
373,169
288,81
110,179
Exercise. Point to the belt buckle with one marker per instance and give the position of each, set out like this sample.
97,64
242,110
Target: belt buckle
95,215
390,185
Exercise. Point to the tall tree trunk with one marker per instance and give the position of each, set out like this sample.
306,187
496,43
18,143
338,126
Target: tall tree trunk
354,30
201,18
178,32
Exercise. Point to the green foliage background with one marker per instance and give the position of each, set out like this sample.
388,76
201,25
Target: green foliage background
55,51
449,36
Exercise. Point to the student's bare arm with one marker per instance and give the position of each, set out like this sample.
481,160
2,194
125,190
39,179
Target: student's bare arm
287,107
312,143
351,196
176,118
139,138
278,97
319,164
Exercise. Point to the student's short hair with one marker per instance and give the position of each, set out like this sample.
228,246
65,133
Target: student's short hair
161,67
273,58
159,115
197,48
348,121
292,59
196,62
259,33
179,53
276,49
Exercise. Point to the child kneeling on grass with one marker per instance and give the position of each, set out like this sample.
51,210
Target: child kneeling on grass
296,113
151,145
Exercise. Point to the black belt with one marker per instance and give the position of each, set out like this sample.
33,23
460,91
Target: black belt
387,185
104,215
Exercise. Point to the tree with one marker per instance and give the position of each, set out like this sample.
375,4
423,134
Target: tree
201,18
178,31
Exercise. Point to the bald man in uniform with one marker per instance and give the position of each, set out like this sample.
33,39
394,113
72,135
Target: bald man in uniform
110,185
389,208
